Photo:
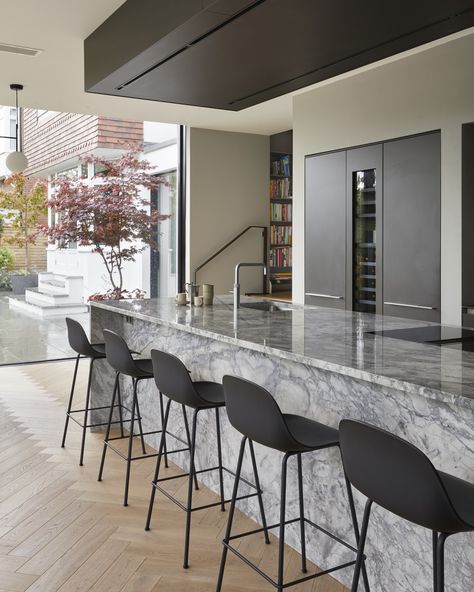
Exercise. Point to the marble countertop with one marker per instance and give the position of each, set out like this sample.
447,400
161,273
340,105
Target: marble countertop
329,339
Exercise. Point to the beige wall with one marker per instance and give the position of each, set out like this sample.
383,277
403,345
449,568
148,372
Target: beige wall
428,91
227,185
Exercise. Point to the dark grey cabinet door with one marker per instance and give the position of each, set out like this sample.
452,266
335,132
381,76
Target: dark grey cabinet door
412,228
325,229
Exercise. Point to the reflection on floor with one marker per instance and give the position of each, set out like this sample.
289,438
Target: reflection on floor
62,531
25,338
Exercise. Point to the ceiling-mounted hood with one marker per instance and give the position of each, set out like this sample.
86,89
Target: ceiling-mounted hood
232,54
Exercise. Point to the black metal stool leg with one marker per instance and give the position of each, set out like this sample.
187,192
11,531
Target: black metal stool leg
304,568
130,444
230,519
86,413
71,396
361,547
219,460
188,438
139,417
259,492
119,399
281,541
190,490
435,560
440,561
355,525
109,423
162,414
158,463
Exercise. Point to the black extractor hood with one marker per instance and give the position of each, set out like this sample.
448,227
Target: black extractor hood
232,54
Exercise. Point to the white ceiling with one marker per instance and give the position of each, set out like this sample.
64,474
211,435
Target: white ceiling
54,79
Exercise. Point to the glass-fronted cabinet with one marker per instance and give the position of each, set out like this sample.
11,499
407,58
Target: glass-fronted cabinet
364,281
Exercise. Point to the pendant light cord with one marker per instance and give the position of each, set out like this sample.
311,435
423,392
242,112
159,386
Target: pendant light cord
17,120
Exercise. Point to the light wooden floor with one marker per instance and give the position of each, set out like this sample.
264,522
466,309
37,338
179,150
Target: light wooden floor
61,530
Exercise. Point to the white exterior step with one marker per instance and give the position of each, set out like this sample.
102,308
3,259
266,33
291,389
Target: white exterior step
56,295
44,311
35,296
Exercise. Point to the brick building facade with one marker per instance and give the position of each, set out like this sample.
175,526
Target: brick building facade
53,142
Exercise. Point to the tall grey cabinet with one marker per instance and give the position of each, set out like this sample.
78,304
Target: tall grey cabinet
325,214
373,228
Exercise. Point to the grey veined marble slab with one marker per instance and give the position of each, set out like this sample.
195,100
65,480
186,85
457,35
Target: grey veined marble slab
319,363
324,338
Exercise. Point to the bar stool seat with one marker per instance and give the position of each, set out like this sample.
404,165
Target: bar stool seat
98,349
461,494
310,434
144,368
211,393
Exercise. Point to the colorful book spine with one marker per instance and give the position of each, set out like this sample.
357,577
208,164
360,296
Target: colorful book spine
281,212
280,257
280,188
280,235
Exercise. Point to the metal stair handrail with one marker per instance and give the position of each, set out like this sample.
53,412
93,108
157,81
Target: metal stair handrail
227,244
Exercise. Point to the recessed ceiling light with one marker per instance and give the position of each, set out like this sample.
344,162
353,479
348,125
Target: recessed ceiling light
20,50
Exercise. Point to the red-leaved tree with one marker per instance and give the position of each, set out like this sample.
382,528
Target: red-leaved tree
108,213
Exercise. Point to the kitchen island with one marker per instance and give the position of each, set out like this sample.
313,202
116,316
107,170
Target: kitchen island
324,364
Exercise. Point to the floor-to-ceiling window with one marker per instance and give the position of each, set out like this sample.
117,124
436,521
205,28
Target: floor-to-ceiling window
163,259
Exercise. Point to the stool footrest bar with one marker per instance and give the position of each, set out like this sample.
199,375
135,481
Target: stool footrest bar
197,508
277,525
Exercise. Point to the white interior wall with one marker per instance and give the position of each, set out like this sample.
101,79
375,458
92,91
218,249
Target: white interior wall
227,190
423,92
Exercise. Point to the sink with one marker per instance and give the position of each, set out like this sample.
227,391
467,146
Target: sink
266,306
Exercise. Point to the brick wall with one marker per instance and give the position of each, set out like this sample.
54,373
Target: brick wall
50,140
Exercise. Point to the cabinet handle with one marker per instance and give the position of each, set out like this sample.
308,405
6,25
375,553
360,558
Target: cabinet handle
410,305
324,296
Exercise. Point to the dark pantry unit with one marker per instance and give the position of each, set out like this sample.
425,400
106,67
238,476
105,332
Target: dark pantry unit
373,228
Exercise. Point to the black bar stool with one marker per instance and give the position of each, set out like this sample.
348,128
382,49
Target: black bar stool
93,351
173,380
120,358
396,475
255,414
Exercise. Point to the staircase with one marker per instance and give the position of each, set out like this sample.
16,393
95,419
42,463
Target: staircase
56,295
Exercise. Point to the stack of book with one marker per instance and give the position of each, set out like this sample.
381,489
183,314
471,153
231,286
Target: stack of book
280,212
280,188
280,235
281,166
280,257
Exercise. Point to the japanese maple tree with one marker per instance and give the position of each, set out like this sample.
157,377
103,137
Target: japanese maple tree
25,209
108,212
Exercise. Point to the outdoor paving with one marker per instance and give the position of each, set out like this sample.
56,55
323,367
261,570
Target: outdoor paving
26,338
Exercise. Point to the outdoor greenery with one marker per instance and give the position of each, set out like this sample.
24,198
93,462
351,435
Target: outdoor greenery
108,214
7,258
24,211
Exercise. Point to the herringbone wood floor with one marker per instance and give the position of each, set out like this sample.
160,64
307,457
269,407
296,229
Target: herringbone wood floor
61,530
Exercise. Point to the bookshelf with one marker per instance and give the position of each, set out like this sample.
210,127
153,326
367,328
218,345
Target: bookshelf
281,225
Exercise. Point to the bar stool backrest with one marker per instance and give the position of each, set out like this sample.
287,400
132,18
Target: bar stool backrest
78,339
254,413
118,354
172,379
397,476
